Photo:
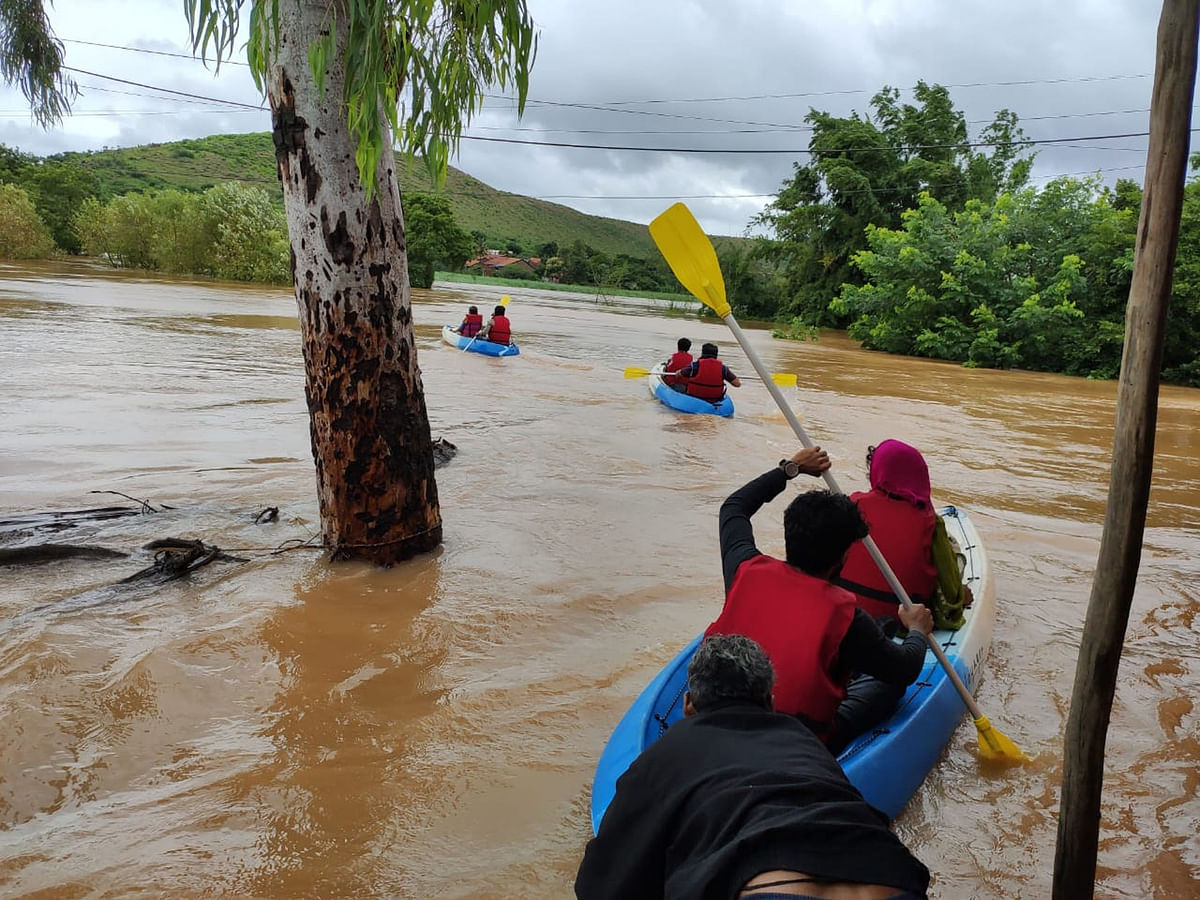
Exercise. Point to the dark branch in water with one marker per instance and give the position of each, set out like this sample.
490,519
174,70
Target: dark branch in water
146,507
177,557
270,514
58,520
41,553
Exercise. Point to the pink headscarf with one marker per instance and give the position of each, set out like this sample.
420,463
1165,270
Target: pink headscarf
900,470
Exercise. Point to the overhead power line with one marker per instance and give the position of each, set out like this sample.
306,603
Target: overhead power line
1027,142
756,151
1080,79
163,90
224,62
804,94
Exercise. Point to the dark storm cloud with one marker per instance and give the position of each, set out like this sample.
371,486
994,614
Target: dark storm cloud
599,64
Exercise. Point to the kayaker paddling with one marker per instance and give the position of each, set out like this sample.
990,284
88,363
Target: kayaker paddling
707,376
837,671
680,359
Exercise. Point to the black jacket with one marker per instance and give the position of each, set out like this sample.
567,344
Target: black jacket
728,794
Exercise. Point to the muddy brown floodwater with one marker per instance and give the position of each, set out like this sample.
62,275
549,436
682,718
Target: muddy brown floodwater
282,727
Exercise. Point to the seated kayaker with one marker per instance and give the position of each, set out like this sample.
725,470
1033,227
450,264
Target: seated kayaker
736,800
680,359
912,538
471,323
498,330
816,636
706,377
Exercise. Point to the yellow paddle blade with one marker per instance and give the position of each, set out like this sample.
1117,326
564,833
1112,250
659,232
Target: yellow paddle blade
691,256
783,379
505,300
995,745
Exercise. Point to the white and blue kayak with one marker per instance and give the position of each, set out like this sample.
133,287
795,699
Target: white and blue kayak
886,764
686,403
476,345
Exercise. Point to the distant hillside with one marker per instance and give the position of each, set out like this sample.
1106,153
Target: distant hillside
502,217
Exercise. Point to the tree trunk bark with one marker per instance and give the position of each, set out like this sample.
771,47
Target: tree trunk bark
368,421
1133,454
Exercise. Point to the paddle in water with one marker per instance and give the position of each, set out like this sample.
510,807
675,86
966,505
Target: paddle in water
691,256
504,301
786,379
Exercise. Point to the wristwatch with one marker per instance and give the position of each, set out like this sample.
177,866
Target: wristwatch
790,468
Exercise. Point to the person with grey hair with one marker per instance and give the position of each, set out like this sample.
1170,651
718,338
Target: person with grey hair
738,801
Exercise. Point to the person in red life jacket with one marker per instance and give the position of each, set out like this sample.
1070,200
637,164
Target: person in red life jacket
498,330
680,359
706,376
836,669
471,323
911,537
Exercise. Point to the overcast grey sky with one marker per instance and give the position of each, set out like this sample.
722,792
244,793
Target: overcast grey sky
677,74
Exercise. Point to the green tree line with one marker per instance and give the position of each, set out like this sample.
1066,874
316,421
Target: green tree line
233,231
238,232
920,241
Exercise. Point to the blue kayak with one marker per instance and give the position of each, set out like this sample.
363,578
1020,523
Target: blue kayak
487,348
887,764
685,402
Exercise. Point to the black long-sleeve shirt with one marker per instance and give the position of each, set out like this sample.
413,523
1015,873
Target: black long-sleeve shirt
731,793
865,648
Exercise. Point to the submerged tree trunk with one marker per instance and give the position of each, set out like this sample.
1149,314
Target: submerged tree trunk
369,426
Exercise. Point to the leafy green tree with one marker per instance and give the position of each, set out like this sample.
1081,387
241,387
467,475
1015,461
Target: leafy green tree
753,286
435,239
180,231
58,189
581,264
122,231
249,237
868,170
13,163
23,235
552,268
230,231
1037,279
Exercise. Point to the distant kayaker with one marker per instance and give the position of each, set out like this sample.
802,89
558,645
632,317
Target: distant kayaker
912,538
471,324
498,330
736,800
817,638
680,359
706,377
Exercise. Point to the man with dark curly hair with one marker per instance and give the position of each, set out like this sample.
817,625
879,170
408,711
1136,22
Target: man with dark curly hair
835,669
736,800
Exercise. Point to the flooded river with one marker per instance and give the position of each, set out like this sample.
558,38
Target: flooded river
281,727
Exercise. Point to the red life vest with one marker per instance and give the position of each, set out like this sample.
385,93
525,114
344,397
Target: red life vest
471,324
679,360
709,381
904,535
800,621
500,332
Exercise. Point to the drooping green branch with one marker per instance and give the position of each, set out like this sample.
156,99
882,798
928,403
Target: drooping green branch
435,56
31,57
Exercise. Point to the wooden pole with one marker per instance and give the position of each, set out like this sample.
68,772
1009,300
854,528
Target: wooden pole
1133,453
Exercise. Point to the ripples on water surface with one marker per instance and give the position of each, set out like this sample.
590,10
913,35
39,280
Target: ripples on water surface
282,727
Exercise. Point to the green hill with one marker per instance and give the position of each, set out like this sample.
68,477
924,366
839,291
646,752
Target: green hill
502,217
